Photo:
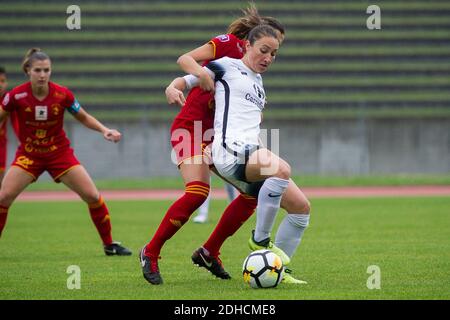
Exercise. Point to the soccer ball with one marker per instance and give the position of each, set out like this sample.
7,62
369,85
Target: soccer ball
262,269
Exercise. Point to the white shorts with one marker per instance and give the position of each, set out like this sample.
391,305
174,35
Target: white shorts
230,165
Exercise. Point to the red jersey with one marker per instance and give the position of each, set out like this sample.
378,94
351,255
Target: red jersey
200,104
40,123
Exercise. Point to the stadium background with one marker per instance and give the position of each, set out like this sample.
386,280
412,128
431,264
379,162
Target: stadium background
348,100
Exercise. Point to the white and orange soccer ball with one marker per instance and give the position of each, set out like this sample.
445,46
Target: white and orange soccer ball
262,269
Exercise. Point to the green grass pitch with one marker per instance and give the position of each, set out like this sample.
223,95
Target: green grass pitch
407,238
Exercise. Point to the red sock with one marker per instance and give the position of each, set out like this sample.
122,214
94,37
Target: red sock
100,216
178,214
237,212
3,216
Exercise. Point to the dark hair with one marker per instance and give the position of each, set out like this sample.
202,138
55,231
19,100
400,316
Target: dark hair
32,55
274,23
2,70
263,30
242,26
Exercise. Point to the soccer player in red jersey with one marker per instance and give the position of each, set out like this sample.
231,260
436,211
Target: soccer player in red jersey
39,106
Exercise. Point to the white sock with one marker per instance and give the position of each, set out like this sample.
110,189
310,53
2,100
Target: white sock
269,200
203,210
231,191
290,232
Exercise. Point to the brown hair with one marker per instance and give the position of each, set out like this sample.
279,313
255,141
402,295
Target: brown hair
242,26
263,30
274,23
32,55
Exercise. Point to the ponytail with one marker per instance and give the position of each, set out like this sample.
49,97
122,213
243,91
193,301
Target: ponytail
242,26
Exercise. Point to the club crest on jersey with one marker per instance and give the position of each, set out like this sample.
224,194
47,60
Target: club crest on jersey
41,113
20,95
41,133
223,38
259,92
55,108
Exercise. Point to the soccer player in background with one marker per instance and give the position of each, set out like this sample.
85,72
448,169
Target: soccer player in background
3,133
40,105
199,107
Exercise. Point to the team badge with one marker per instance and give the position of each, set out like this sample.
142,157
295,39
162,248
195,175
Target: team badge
41,133
259,92
41,113
55,108
223,38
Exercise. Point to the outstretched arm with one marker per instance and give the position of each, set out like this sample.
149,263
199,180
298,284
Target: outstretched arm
92,123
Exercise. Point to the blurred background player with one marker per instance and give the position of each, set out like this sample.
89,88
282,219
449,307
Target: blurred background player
203,211
3,126
40,106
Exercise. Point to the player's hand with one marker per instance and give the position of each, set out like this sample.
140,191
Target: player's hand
205,82
112,135
175,96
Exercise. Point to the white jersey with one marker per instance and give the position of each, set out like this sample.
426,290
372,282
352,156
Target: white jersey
239,101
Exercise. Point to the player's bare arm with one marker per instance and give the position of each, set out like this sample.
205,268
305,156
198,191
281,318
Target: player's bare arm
92,123
189,63
174,92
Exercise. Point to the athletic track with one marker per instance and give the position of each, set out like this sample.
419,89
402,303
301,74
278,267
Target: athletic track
329,192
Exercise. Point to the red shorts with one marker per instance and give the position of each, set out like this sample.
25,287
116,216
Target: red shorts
3,152
56,165
189,139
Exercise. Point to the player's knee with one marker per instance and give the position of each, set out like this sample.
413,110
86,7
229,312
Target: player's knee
6,198
284,171
91,197
297,205
306,207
